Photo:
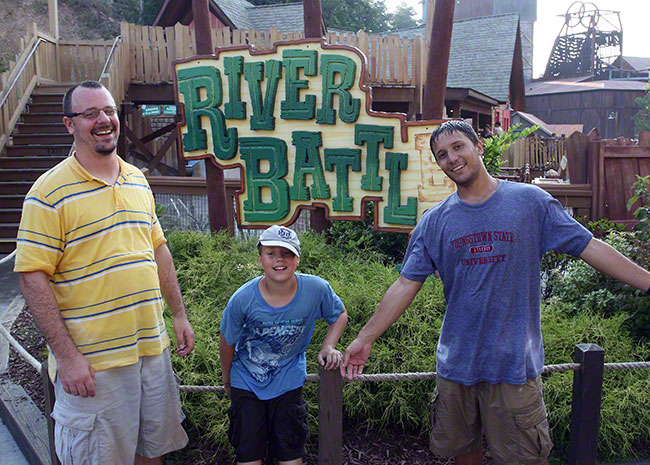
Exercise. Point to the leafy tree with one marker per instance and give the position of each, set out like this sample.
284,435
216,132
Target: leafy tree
494,147
403,18
642,118
349,15
642,195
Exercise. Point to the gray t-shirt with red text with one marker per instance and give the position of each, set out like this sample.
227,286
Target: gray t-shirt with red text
488,256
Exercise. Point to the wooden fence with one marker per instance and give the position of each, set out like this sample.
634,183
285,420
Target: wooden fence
48,61
615,166
35,63
151,50
536,152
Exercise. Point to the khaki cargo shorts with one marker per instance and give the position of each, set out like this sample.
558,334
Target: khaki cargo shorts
136,410
512,417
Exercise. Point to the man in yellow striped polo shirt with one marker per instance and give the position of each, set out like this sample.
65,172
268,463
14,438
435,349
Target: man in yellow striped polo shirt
94,268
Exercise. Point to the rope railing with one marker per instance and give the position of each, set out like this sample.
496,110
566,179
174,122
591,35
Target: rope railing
585,410
21,351
367,378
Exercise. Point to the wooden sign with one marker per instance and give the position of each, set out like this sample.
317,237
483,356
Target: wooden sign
296,120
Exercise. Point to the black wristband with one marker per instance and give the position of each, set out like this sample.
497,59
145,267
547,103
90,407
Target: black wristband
647,292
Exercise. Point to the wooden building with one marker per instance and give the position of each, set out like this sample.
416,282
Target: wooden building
608,106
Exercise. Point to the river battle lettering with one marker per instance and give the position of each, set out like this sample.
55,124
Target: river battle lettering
297,124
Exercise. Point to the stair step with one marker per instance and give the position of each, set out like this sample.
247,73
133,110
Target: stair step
11,200
15,187
40,128
42,117
54,150
8,229
29,174
7,245
29,162
42,139
44,89
45,108
48,98
10,215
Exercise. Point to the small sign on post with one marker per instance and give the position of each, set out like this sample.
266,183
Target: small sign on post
169,110
151,110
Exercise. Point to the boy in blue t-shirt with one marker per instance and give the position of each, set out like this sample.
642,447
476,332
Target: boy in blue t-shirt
265,330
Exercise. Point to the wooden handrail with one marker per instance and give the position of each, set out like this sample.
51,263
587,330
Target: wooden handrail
19,72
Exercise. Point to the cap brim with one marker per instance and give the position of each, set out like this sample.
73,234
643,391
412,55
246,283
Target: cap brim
281,244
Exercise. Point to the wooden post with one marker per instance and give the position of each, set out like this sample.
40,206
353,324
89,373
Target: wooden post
217,206
53,9
433,102
585,409
48,389
315,27
330,417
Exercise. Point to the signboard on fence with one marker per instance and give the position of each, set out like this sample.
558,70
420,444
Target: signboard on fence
296,120
151,110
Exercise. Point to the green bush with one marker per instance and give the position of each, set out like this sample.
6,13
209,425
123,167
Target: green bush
361,237
212,267
642,212
586,289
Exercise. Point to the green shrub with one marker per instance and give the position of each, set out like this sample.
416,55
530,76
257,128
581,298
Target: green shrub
361,237
212,267
586,289
642,213
625,418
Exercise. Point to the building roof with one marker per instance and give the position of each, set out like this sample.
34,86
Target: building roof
550,129
635,63
286,17
237,12
563,85
533,120
482,53
240,14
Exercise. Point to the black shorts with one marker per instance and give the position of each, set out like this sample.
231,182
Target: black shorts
280,422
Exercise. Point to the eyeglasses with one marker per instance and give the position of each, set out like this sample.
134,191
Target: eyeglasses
92,113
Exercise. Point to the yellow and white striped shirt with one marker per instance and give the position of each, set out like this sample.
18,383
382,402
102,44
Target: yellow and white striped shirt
97,242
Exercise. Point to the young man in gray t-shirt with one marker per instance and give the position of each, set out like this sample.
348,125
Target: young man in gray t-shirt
486,242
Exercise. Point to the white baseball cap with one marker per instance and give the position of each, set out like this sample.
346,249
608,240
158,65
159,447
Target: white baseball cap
282,237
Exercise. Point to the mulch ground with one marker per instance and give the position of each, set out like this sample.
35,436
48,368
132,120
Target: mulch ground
360,446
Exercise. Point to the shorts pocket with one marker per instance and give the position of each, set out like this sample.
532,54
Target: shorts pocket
75,439
532,428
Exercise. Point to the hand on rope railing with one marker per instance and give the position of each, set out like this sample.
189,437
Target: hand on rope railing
361,378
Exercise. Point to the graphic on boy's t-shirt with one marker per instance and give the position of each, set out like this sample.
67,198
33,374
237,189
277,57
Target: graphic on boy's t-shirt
270,343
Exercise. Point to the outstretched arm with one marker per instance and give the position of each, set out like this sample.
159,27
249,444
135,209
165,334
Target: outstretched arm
396,300
328,356
73,368
608,260
171,291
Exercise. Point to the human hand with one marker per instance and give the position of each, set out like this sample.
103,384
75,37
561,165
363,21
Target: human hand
184,335
226,386
329,358
354,358
76,375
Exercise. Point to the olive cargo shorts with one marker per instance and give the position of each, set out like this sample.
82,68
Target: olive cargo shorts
513,418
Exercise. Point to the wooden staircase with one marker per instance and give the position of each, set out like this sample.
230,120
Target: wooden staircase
38,142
